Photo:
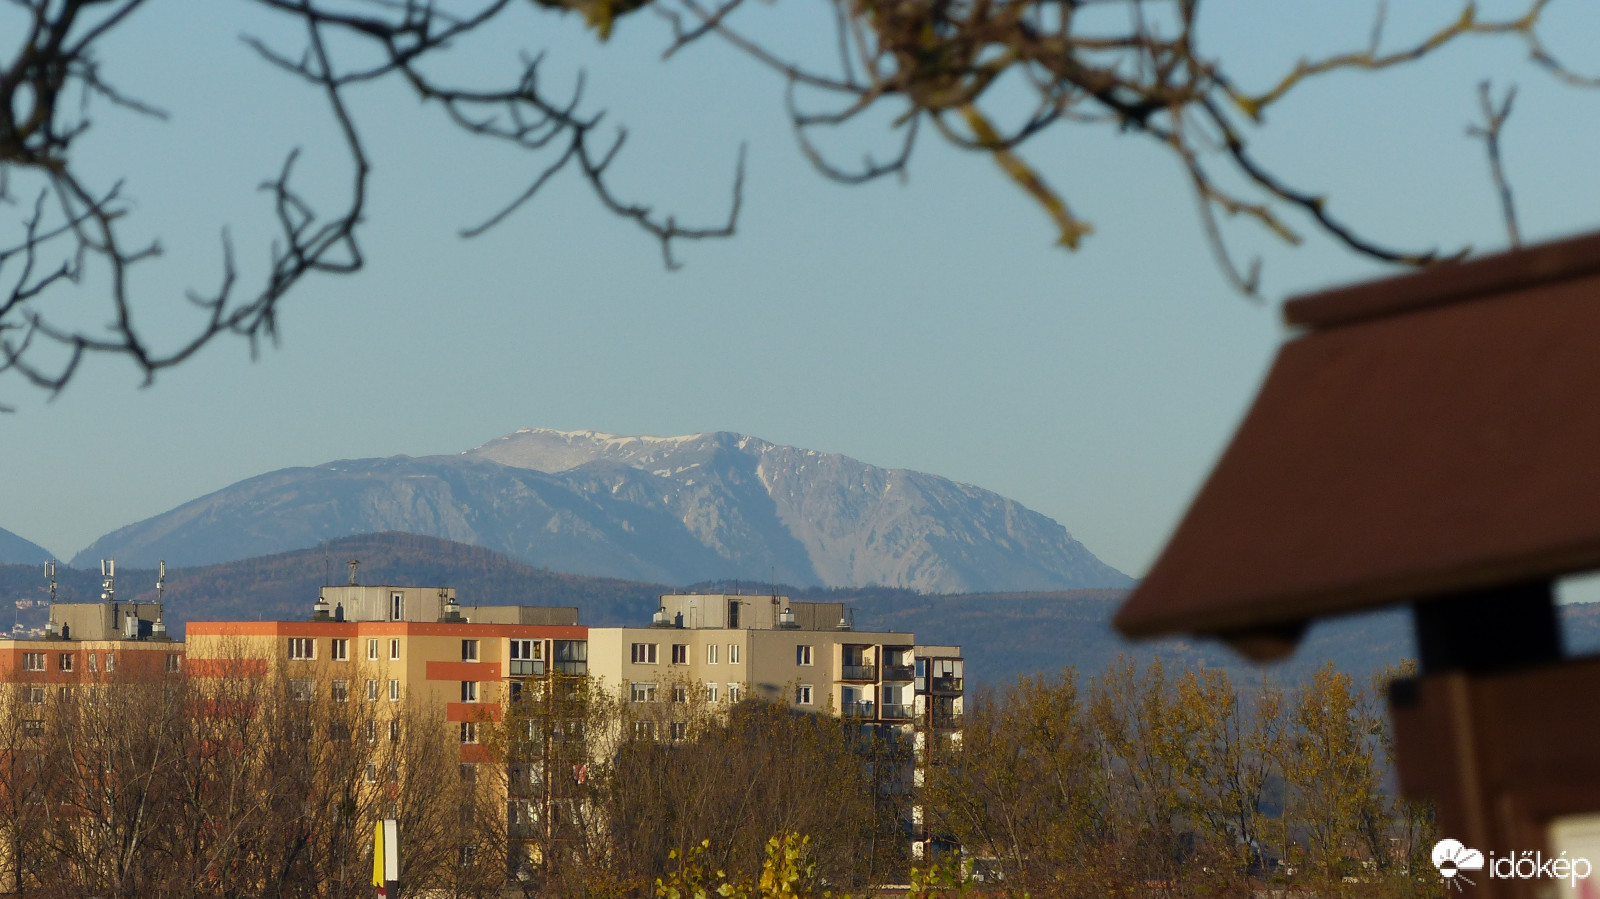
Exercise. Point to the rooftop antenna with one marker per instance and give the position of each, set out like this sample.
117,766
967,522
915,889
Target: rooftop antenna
354,563
108,579
159,629
50,575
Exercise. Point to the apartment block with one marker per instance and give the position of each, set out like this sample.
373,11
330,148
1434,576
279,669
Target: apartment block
900,696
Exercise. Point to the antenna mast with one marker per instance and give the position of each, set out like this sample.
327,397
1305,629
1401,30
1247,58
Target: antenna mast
108,579
50,575
354,564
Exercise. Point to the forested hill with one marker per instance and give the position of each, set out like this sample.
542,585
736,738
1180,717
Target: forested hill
1003,634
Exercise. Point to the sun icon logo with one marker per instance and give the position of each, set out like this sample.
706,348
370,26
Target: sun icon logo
1451,858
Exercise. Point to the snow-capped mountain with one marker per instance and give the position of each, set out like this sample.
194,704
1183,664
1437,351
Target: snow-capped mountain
673,510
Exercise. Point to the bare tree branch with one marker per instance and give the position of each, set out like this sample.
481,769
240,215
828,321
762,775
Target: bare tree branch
1494,120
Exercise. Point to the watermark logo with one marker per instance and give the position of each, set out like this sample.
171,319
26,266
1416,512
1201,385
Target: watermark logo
1451,857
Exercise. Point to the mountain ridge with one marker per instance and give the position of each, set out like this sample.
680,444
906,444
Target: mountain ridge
662,509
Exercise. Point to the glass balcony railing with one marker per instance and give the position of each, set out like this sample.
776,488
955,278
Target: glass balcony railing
897,672
860,672
891,712
526,667
858,710
947,684
575,669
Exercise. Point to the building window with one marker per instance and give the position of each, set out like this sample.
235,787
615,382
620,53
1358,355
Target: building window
679,731
644,653
394,730
174,662
370,731
680,693
802,654
469,732
643,692
340,650
394,650
733,653
372,691
680,653
302,648
469,650
468,856
301,690
469,774
111,662
570,656
397,606
64,662
711,654
36,695
644,730
33,661
341,691
734,693
394,691
33,728
802,694
469,691
711,692
524,655
93,666
372,649
372,772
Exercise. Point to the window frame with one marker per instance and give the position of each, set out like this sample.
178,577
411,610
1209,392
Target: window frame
394,689
341,690
469,691
645,653
394,649
469,733
372,649
641,691
35,661
339,649
733,653
680,653
711,653
804,655
804,695
302,649
65,661
469,650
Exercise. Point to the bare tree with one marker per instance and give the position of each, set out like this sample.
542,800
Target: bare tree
949,66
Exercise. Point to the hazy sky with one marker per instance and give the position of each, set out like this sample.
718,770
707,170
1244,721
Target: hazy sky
928,325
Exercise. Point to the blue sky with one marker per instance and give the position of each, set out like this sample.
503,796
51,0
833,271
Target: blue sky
928,325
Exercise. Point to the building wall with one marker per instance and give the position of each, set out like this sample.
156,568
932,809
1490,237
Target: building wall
132,659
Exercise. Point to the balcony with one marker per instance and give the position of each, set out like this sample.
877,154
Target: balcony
526,667
894,712
858,710
859,672
898,672
946,718
573,669
946,684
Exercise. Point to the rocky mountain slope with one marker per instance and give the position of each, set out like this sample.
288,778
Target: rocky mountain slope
17,551
666,510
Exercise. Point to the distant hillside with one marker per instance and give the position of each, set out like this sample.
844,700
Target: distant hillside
655,509
16,551
1003,635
